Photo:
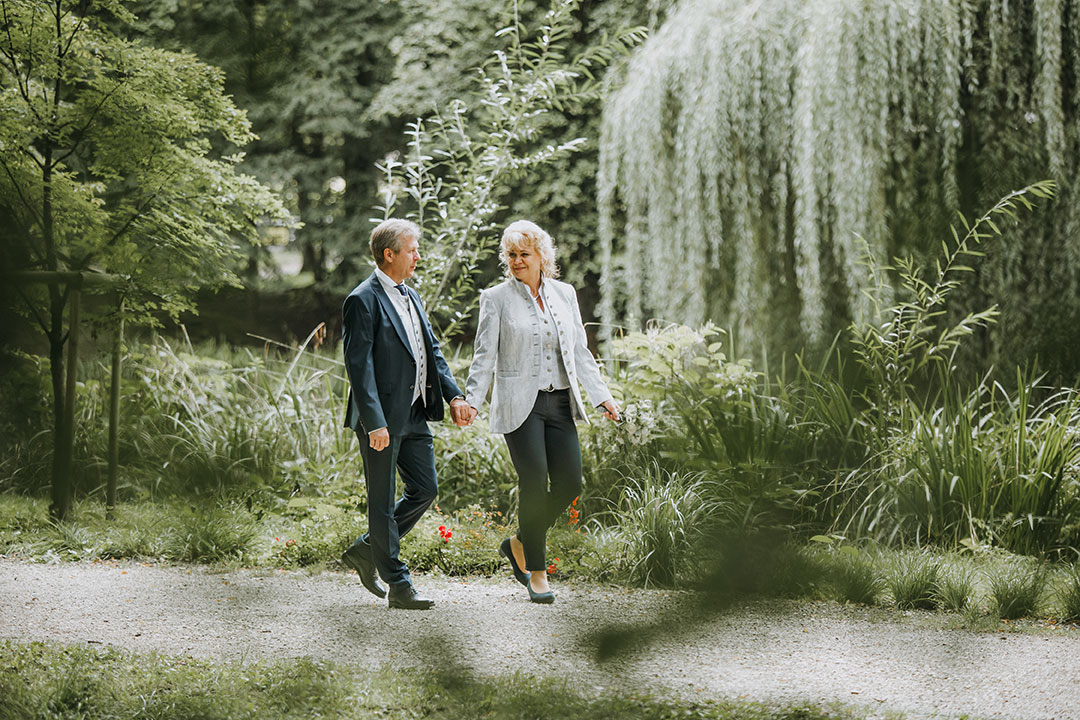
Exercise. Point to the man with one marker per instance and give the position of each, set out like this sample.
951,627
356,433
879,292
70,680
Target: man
398,380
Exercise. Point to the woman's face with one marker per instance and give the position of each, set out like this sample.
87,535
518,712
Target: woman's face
524,263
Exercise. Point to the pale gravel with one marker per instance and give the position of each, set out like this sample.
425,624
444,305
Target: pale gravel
764,650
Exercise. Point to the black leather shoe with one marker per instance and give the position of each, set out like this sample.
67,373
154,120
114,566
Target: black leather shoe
358,557
544,598
508,552
405,597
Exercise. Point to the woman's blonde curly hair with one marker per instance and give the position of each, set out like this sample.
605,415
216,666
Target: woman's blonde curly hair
527,235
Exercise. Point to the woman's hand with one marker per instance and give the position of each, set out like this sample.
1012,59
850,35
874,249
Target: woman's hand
611,410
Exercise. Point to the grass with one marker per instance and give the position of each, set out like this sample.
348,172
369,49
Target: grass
1016,592
914,582
657,522
857,581
51,682
1070,596
955,588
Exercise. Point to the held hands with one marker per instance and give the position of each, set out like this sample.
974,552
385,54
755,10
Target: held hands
611,410
462,412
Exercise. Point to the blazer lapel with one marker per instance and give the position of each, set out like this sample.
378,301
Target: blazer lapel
391,311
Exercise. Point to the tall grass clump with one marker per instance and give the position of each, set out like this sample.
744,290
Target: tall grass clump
1016,590
955,588
213,535
943,463
1070,595
914,581
857,580
658,519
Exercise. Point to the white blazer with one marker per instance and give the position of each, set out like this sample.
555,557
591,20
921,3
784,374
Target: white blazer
508,347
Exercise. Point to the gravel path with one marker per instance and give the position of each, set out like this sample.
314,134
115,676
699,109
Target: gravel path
816,652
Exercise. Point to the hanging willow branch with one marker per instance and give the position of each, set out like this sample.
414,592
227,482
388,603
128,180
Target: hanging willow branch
757,151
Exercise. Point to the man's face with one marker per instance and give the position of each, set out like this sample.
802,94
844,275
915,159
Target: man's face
401,265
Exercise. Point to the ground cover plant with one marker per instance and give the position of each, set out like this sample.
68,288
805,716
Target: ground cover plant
47,682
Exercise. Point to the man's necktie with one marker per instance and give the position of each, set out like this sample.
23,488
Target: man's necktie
400,288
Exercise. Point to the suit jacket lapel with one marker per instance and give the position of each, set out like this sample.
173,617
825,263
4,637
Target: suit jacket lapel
391,312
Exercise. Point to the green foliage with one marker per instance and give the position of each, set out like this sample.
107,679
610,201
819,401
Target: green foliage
914,582
955,588
462,542
106,147
1016,591
856,580
306,74
212,535
1070,596
460,160
657,522
50,682
941,463
751,158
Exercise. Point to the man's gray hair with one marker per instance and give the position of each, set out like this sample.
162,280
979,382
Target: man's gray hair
389,234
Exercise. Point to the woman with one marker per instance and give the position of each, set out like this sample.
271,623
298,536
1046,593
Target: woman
531,340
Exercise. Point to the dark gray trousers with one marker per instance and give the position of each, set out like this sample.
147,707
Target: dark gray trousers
545,446
413,455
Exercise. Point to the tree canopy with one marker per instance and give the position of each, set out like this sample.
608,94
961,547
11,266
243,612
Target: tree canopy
757,155
119,157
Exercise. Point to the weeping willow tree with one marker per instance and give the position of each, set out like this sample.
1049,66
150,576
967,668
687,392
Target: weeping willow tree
757,155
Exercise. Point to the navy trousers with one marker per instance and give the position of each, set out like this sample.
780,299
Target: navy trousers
546,445
411,454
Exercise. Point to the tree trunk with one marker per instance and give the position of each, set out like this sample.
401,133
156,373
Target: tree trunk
114,414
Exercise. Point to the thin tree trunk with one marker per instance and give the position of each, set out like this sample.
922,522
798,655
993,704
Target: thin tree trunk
64,486
114,414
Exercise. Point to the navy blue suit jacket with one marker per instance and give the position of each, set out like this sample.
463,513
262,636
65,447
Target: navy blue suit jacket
380,364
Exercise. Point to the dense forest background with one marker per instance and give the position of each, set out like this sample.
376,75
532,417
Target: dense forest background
330,88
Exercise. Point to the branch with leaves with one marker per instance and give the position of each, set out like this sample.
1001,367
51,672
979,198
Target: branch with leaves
460,160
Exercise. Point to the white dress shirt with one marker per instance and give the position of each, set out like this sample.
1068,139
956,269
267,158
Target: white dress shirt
411,321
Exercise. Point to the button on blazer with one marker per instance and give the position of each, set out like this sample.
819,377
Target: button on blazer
380,363
507,353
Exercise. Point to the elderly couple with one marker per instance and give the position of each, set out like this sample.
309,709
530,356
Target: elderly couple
530,338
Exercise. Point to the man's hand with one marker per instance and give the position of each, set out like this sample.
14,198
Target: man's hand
461,412
611,410
379,439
